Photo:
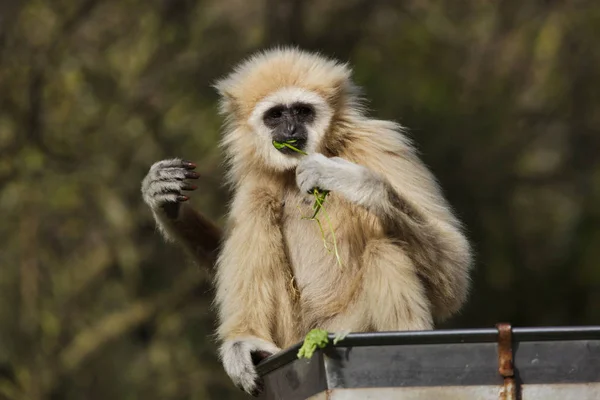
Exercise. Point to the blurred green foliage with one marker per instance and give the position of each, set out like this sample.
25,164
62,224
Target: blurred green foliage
502,98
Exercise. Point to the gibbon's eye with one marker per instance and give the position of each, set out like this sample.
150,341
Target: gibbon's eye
274,113
305,112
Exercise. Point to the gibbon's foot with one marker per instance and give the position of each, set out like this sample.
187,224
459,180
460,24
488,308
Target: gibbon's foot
240,357
162,186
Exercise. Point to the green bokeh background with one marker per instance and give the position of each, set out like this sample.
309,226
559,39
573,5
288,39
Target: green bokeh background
502,99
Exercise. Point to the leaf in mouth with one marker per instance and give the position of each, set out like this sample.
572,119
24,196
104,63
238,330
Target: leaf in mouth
288,144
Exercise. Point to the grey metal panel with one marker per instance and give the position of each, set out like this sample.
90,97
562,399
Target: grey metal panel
413,365
296,380
568,361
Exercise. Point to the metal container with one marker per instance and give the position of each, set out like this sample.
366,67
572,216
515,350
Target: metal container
502,363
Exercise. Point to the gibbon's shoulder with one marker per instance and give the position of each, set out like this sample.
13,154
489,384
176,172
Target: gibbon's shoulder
374,137
271,70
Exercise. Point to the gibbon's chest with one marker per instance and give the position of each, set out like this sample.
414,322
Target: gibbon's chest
311,244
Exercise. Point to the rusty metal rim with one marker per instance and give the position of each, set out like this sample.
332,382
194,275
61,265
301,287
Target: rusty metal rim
439,337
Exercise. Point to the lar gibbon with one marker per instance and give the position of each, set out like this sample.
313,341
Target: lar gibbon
405,259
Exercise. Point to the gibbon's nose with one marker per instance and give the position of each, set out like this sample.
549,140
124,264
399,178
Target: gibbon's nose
290,129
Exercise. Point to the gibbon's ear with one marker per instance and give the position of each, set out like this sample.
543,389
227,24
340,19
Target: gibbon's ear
227,102
341,88
228,105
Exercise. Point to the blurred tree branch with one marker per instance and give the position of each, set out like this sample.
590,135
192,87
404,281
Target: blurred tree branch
90,341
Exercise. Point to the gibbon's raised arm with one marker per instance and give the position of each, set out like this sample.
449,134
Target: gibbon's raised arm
195,232
177,221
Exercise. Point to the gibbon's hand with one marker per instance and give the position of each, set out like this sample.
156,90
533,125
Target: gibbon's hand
240,356
161,188
334,174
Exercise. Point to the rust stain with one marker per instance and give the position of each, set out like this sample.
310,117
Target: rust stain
505,354
505,362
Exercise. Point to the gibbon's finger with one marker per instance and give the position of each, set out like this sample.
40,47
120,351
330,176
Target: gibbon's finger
181,198
188,165
174,173
158,187
170,197
189,187
165,174
191,175
260,387
170,163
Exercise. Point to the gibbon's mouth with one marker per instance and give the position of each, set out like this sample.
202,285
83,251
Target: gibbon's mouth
293,146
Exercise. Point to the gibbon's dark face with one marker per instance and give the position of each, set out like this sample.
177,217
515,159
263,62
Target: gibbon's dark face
288,122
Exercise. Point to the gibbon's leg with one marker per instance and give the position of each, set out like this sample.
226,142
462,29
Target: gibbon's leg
389,297
177,221
392,290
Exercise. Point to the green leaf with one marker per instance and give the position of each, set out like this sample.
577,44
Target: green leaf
316,338
288,144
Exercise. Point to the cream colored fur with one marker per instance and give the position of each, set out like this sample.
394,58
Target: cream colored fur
405,259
